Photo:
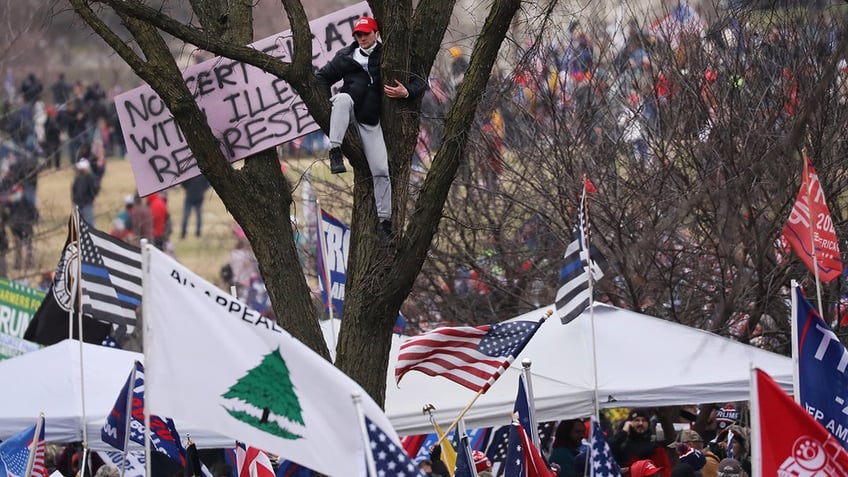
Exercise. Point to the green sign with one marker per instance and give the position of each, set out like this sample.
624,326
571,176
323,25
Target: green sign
17,305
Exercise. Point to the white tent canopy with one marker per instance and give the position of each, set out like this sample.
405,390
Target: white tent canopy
48,381
641,361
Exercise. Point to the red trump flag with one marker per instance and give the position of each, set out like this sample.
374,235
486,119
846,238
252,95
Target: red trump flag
810,225
787,439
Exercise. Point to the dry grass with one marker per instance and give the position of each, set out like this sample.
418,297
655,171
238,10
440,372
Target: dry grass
204,255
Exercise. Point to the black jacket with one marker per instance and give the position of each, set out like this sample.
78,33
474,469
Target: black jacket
364,87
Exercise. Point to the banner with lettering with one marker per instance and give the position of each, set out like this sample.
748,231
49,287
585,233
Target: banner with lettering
249,110
809,229
334,245
132,466
17,305
822,363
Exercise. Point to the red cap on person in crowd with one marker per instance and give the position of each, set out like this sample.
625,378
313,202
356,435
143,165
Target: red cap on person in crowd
481,462
365,25
644,468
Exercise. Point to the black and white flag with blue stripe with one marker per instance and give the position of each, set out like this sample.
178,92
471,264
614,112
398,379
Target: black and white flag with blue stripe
582,267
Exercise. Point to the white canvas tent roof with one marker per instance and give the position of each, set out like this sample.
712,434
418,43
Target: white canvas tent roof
641,361
48,381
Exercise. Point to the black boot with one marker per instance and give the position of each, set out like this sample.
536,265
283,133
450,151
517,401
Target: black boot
336,162
385,234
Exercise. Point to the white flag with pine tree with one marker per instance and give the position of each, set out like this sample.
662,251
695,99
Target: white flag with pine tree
212,362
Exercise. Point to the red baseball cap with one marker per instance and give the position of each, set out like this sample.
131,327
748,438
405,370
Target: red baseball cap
365,25
644,468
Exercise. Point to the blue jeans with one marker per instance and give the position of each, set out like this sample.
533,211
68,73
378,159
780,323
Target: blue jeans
198,210
86,212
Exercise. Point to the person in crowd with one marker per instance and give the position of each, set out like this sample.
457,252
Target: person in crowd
731,468
75,123
691,439
141,221
644,468
439,467
84,190
52,138
739,441
359,101
159,213
635,441
195,193
568,441
61,90
684,470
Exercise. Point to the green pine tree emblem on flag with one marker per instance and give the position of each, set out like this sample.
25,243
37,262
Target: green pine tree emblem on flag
268,388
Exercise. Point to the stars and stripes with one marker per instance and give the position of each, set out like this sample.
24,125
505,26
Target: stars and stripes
389,456
111,277
15,452
582,264
603,464
473,357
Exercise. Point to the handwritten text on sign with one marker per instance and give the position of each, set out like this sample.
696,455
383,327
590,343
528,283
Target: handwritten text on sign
248,109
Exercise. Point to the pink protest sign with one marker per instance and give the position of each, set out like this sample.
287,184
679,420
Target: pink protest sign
248,109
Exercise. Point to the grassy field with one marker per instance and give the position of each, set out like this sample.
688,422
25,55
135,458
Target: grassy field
204,255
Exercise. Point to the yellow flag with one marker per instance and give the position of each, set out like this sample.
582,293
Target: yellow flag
448,452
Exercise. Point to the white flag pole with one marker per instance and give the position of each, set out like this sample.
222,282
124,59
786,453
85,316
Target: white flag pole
526,363
463,441
812,233
793,322
75,224
128,418
34,446
756,438
146,339
366,441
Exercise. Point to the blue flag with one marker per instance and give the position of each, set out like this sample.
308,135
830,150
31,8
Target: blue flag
288,468
333,248
163,435
464,460
514,455
822,362
603,464
14,453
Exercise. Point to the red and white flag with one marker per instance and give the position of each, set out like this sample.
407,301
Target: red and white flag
788,441
534,463
810,225
252,462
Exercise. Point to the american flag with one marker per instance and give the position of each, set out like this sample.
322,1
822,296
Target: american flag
389,456
473,357
252,462
524,459
514,455
15,453
111,278
603,464
582,263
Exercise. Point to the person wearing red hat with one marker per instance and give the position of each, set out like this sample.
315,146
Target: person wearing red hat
644,468
359,102
481,462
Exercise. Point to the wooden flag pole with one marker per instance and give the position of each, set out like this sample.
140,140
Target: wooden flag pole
34,446
460,416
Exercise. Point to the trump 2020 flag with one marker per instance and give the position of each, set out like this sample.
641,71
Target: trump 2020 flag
334,245
211,361
163,434
787,440
811,218
603,464
16,452
473,357
822,379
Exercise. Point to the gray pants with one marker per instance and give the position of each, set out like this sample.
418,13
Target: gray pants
374,146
